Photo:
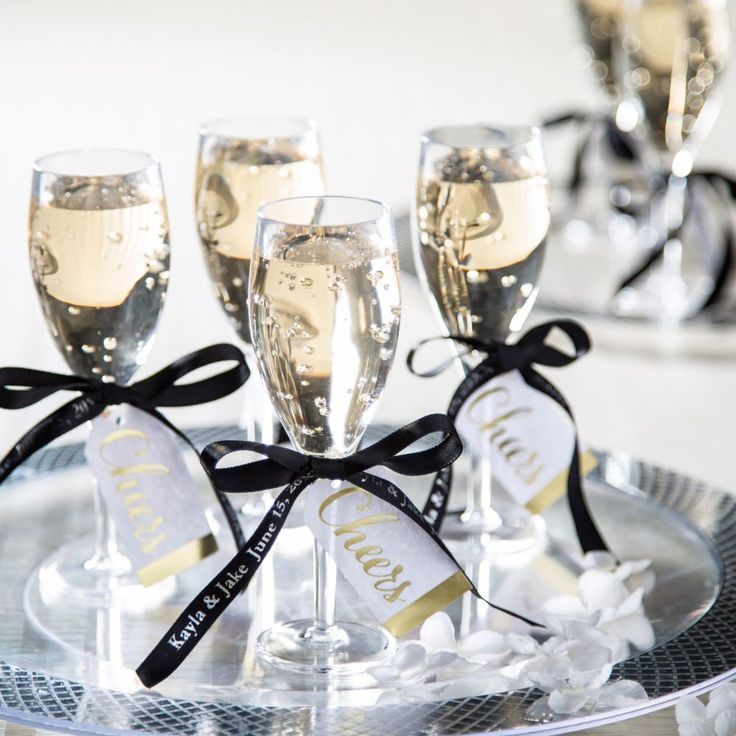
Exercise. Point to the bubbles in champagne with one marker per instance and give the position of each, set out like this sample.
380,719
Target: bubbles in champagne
231,185
348,328
677,51
100,260
602,21
482,224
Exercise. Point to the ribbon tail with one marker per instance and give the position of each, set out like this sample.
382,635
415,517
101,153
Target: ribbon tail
210,603
231,516
63,420
588,535
726,263
391,494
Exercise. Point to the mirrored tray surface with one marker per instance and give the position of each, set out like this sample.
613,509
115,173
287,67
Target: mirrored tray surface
87,683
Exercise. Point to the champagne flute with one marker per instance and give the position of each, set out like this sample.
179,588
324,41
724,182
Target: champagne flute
99,252
325,307
244,162
675,51
601,22
480,224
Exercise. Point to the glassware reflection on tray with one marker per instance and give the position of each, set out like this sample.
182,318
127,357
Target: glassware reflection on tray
103,646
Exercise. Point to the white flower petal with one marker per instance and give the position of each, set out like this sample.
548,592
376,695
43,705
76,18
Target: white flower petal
645,580
722,698
618,647
689,710
458,668
633,604
601,590
587,656
600,561
441,660
592,679
522,644
572,701
409,656
631,567
384,674
622,694
547,673
636,629
438,633
565,605
467,687
482,643
485,647
725,723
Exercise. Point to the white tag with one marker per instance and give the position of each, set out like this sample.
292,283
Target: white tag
528,436
397,569
148,493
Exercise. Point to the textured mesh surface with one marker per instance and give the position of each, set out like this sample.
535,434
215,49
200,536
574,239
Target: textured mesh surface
702,655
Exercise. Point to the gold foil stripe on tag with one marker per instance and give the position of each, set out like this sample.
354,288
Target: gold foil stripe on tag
432,601
177,560
557,487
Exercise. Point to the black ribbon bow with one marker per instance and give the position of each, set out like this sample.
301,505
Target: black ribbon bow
283,466
22,387
625,147
530,350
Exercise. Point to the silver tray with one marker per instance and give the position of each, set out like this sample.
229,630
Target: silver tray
640,507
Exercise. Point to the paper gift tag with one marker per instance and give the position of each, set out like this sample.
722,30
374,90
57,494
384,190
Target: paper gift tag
149,493
394,566
528,436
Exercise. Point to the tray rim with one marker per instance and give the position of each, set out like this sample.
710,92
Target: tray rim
63,457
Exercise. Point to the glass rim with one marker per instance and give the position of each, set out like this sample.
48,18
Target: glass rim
43,164
508,136
301,126
383,211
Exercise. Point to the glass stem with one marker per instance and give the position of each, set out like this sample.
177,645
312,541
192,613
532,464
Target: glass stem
325,594
671,217
107,556
259,423
478,491
479,480
257,416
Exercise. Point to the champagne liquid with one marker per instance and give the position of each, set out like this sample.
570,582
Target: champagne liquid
101,275
326,314
481,244
229,193
678,51
601,22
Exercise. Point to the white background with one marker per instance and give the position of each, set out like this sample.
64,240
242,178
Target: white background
144,73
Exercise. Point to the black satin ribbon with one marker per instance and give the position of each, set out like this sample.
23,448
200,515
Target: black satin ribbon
530,350
715,180
282,466
23,387
624,147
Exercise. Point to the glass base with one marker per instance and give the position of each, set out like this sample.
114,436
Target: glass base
71,587
340,653
504,529
666,300
73,573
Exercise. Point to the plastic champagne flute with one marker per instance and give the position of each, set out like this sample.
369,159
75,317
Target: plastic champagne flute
325,308
480,226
